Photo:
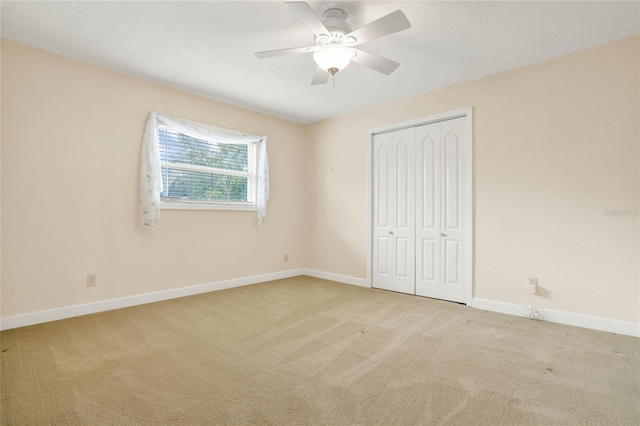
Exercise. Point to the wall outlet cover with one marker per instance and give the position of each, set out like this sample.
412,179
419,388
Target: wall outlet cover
92,280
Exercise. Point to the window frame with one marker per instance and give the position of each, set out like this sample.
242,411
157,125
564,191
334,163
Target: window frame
167,203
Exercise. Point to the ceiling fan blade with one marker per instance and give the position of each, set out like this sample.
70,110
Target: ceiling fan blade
320,77
378,63
280,52
389,24
304,12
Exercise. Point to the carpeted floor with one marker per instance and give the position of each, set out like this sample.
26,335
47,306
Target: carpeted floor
309,351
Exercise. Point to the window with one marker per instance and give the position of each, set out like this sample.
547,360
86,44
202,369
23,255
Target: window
204,173
188,165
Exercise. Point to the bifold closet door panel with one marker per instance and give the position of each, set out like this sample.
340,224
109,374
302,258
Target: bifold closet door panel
394,211
454,210
428,165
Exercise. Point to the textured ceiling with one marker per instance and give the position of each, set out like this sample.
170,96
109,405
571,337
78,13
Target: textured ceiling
207,47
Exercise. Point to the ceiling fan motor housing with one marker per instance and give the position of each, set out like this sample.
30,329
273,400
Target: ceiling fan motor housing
335,21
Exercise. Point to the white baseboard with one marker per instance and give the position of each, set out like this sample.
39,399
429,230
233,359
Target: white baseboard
361,282
139,299
578,320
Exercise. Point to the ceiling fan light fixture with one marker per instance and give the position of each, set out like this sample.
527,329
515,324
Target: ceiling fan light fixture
336,43
333,59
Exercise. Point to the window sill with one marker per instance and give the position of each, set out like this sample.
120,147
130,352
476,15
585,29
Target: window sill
186,205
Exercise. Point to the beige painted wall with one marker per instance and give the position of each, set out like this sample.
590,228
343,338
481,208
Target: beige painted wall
71,138
555,145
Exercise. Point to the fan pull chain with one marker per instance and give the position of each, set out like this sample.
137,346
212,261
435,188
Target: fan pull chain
333,80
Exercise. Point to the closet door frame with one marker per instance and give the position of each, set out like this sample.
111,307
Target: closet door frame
464,112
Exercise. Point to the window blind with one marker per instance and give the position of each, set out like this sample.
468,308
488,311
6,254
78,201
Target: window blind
205,171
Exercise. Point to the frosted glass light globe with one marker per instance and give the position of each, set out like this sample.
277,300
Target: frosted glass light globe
333,59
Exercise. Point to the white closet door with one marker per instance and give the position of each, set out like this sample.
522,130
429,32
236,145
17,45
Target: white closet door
441,213
394,211
428,166
454,211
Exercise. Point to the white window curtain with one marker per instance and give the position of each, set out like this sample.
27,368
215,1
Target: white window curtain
150,169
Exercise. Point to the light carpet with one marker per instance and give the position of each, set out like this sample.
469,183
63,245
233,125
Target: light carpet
305,351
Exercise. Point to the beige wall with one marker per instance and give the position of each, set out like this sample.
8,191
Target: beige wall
555,145
71,138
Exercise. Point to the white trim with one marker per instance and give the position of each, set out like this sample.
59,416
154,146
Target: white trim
470,206
422,121
369,273
463,112
561,317
345,279
195,205
139,299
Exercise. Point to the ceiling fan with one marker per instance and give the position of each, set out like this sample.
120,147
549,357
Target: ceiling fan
335,40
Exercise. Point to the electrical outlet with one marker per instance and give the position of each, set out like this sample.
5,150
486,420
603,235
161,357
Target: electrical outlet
533,285
92,280
286,257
